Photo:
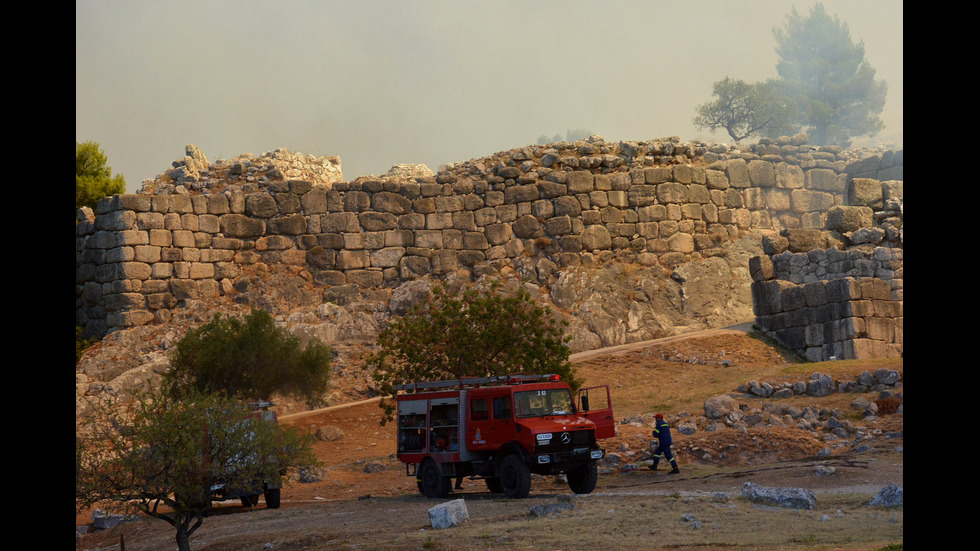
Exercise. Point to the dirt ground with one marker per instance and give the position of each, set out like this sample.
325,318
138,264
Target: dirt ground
366,500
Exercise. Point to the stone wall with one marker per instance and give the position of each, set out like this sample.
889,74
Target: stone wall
839,293
843,318
658,203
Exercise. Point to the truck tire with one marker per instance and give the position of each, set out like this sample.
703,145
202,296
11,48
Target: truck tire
250,500
515,477
493,484
273,497
431,482
582,479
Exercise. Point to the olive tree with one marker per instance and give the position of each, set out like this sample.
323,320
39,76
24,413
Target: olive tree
472,331
163,454
743,109
250,357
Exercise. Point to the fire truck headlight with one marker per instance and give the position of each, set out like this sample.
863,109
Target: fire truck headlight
596,454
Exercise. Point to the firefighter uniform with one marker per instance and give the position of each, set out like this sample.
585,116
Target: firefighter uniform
661,431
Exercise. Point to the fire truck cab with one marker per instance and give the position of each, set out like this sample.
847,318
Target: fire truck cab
502,429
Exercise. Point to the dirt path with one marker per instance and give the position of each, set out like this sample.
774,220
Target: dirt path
741,328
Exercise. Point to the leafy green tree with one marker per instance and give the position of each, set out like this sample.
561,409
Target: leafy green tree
743,109
162,456
93,178
249,357
824,74
470,332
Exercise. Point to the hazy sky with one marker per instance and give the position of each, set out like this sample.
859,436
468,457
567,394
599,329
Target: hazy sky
424,81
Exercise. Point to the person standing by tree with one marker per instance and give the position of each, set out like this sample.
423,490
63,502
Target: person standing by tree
661,431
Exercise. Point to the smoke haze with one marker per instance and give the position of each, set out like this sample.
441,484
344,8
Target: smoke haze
425,81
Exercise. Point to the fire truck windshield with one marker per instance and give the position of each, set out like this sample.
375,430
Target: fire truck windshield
539,403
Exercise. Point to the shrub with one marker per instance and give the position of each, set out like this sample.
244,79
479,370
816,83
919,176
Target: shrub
251,358
888,406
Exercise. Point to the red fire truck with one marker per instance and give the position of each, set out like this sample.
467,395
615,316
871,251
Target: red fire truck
501,429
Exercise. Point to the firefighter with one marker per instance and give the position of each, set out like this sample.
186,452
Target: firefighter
661,431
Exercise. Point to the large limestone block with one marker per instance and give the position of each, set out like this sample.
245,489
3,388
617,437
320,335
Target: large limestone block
865,192
448,514
846,219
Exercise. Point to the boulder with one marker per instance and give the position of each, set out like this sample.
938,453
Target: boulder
889,496
820,385
719,406
448,514
795,498
329,433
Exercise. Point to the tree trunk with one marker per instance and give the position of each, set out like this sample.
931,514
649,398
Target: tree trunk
186,525
183,538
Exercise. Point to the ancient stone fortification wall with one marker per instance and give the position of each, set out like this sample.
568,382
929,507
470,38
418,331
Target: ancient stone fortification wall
844,301
657,203
852,312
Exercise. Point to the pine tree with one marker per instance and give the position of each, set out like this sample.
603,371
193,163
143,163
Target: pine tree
93,178
825,76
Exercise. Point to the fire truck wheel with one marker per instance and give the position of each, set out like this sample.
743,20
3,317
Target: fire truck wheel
250,500
431,481
582,479
272,498
515,477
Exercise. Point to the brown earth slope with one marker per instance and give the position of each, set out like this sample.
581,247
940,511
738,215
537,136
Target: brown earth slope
365,500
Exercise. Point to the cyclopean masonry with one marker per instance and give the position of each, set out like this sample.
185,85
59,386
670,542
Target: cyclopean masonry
536,212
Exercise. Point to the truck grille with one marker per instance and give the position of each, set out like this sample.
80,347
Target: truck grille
576,439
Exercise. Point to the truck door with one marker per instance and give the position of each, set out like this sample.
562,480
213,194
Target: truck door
491,419
595,404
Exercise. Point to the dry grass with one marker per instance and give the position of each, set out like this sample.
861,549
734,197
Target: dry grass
643,523
671,521
678,377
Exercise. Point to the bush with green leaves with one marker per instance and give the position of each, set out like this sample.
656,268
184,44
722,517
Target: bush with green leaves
93,177
474,331
249,357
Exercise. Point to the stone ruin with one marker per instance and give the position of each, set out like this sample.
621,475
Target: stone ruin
823,272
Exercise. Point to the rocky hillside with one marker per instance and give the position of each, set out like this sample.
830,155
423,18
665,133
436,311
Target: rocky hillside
627,241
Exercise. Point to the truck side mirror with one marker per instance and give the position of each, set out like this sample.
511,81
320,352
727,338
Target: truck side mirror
585,402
